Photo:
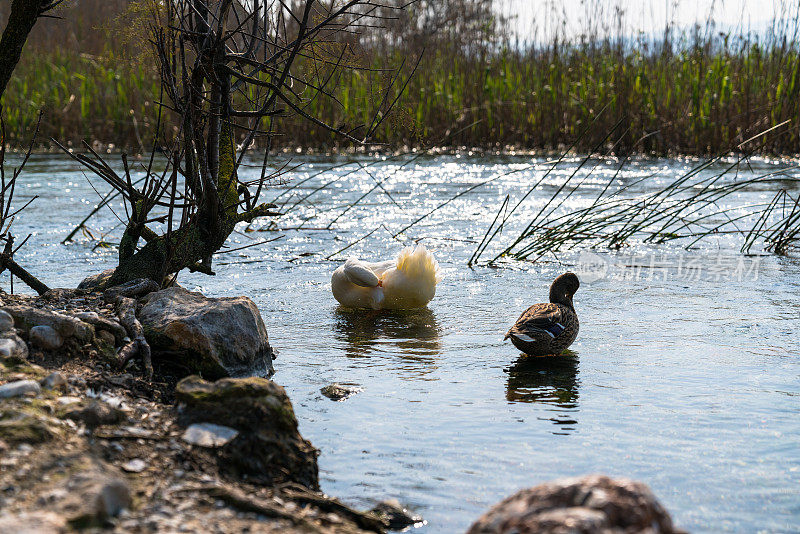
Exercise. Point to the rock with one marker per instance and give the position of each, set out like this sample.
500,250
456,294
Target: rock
32,523
94,496
108,338
6,322
96,280
137,465
209,435
88,316
269,448
590,504
12,347
19,388
339,392
104,326
95,414
394,516
214,337
45,337
54,380
27,317
18,427
76,380
133,288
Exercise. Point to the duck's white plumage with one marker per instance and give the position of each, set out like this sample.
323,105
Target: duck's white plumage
407,282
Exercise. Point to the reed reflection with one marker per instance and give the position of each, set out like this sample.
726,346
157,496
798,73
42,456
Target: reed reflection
550,381
411,335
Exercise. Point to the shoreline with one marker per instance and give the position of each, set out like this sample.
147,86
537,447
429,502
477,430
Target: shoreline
112,150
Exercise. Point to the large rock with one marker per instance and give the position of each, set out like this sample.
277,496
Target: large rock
592,504
215,337
268,447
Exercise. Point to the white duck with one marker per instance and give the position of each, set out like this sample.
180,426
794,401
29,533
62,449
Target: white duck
408,282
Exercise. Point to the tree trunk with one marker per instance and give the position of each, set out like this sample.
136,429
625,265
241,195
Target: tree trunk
163,255
20,23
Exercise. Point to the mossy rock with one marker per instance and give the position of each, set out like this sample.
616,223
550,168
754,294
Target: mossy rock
241,403
16,365
269,447
19,427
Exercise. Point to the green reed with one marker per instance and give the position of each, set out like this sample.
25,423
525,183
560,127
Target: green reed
696,91
688,209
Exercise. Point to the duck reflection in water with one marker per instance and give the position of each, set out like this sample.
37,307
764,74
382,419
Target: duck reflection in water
547,380
413,335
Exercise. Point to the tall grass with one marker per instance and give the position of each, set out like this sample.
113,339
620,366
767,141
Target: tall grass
694,91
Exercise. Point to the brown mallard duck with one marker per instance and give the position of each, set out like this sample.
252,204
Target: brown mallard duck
548,328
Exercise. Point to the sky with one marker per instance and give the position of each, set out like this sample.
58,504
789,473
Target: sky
648,16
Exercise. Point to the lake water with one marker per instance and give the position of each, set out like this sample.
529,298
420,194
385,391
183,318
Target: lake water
685,380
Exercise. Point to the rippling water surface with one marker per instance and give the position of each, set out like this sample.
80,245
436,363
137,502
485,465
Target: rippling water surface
688,383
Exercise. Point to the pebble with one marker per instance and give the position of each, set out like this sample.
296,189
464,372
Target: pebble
6,322
54,380
88,316
18,388
38,522
113,497
77,381
95,414
137,465
46,337
13,346
209,435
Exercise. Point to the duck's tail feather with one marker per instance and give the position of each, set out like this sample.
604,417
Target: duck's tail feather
417,262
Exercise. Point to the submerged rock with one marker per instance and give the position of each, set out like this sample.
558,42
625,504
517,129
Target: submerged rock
268,448
339,392
590,504
394,516
215,337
